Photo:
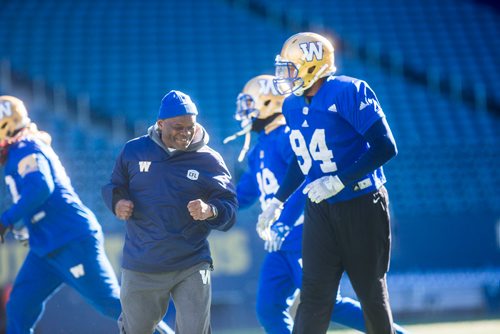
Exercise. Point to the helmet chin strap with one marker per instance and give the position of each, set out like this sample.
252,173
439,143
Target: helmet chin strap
268,124
245,148
246,145
243,131
321,73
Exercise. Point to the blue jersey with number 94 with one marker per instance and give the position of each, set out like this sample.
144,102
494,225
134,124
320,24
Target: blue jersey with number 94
327,134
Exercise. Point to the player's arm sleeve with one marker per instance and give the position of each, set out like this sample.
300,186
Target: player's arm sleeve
247,189
382,149
292,180
223,196
37,186
293,209
117,188
359,106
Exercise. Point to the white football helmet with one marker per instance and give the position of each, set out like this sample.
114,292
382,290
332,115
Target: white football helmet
304,58
13,117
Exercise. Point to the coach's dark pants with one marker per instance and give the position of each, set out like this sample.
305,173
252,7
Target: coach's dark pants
352,236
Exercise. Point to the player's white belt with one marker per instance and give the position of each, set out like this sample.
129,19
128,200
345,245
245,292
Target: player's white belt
363,184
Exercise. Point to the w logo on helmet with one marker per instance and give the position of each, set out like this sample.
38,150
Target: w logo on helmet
312,49
5,109
267,87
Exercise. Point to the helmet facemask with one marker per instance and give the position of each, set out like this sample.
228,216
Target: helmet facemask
245,110
287,80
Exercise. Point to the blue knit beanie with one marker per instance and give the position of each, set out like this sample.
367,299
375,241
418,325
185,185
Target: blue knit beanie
176,103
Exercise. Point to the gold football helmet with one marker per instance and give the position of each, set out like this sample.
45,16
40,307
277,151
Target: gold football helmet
258,100
13,117
304,58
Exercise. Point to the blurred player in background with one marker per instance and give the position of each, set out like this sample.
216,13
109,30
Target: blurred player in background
259,110
65,239
341,139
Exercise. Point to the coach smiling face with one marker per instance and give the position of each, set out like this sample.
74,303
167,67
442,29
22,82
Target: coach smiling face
177,120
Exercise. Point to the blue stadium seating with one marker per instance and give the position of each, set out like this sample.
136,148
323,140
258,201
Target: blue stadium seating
126,55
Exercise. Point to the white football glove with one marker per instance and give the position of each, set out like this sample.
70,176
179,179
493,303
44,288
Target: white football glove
323,188
279,232
268,217
21,234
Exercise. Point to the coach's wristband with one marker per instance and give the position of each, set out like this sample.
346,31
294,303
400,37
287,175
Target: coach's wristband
214,212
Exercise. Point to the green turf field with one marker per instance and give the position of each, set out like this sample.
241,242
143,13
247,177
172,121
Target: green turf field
457,327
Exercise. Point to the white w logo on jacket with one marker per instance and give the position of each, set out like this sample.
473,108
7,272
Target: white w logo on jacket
144,166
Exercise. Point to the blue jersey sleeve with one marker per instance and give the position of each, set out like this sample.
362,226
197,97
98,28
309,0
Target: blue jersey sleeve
293,177
293,209
382,149
36,183
359,105
285,148
247,189
292,180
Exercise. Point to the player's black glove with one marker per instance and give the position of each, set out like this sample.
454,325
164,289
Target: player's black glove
3,231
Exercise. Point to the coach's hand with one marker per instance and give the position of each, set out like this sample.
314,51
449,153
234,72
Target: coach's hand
323,188
268,217
200,210
3,231
279,232
124,209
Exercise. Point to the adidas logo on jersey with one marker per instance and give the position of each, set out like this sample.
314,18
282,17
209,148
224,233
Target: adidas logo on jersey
305,124
333,108
363,105
144,166
367,102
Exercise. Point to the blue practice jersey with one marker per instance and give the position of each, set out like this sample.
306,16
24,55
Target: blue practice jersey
267,164
327,135
44,198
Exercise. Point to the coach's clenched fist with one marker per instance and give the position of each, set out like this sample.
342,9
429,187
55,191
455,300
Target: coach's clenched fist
200,210
124,209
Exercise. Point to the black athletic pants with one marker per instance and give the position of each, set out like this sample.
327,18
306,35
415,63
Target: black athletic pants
352,236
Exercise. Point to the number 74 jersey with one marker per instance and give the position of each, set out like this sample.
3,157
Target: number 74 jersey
327,135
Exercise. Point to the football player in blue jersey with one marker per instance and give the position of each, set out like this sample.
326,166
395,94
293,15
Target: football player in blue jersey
258,108
341,139
65,239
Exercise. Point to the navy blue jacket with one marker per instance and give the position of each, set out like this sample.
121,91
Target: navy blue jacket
161,235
